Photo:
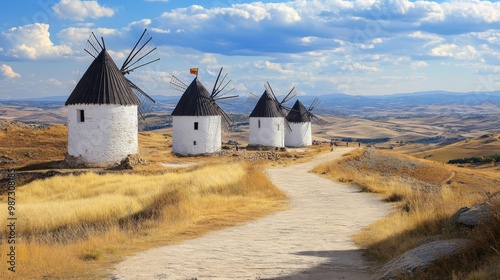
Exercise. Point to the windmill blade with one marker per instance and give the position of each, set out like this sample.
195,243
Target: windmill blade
289,96
251,98
93,46
228,122
286,108
226,97
149,62
314,104
317,120
270,90
147,102
225,94
140,91
215,84
219,89
133,49
177,84
219,86
143,51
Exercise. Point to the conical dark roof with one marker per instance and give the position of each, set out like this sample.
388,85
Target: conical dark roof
103,83
196,101
266,107
298,114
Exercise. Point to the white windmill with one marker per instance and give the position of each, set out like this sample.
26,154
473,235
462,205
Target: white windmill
299,118
267,120
196,119
103,107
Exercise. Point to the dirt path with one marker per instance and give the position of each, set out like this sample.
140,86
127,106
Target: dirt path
309,241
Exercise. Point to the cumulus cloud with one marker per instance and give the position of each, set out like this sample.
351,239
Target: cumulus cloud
80,10
76,37
143,23
359,67
303,26
8,72
451,50
418,64
209,59
54,82
33,42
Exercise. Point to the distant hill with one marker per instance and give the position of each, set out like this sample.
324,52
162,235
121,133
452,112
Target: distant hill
485,145
396,105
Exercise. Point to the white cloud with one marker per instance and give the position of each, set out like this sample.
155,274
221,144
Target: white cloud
33,42
143,23
54,82
451,50
273,66
80,10
485,11
209,59
359,66
418,64
8,72
159,30
76,37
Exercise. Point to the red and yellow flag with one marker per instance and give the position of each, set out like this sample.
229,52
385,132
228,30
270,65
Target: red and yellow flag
193,71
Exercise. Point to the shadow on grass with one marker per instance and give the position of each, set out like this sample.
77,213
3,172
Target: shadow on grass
56,164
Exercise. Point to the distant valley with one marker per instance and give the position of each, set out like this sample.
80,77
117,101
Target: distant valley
435,118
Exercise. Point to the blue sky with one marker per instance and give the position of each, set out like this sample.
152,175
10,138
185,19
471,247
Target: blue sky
358,47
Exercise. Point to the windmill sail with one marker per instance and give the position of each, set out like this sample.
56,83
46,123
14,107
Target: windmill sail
142,54
298,113
93,46
177,84
146,100
200,102
282,108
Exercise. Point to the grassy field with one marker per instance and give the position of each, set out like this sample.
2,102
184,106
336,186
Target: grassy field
482,146
424,195
31,146
91,221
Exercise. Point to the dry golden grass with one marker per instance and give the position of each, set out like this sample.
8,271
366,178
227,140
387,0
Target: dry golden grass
89,222
482,146
47,144
424,198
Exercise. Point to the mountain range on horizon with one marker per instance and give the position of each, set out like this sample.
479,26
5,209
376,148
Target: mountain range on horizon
494,95
400,104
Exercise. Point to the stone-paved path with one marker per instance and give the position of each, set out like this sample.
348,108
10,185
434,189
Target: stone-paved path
309,241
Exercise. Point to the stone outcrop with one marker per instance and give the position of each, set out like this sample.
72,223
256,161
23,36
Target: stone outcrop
477,214
420,257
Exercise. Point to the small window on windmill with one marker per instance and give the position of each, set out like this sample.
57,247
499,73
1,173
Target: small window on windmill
194,143
80,115
195,126
259,124
278,127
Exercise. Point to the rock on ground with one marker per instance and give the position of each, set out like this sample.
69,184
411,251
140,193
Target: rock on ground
422,256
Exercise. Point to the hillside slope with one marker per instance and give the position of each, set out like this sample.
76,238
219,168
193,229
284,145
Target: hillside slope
487,144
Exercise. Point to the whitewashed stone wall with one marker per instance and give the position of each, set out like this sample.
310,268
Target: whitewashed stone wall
107,134
207,137
299,136
270,133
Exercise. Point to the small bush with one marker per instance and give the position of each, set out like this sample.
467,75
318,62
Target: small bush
91,254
